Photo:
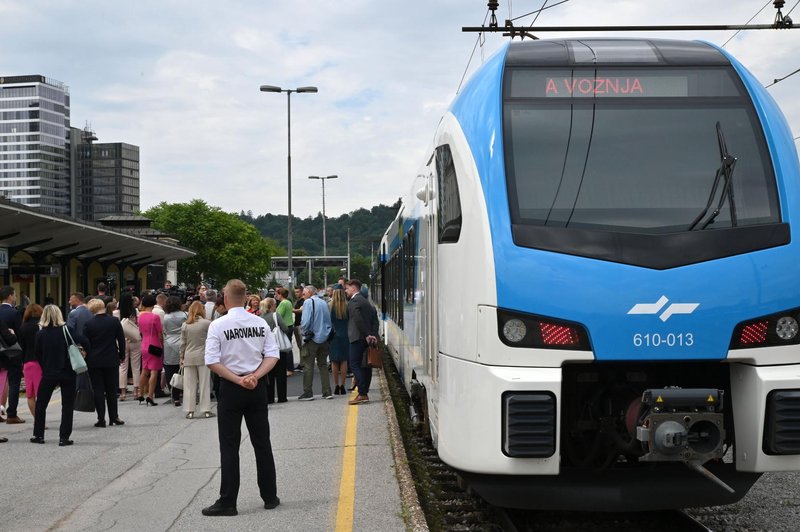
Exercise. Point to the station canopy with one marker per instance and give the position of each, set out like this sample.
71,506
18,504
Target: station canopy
35,232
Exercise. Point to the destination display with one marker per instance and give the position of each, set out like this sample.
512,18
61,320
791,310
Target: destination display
640,83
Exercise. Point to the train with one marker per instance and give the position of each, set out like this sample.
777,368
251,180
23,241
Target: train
591,289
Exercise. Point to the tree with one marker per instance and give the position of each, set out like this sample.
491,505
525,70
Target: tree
227,247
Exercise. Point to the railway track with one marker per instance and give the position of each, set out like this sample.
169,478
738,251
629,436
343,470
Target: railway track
449,505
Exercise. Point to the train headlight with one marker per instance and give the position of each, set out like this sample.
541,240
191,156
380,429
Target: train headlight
779,329
514,330
786,328
517,329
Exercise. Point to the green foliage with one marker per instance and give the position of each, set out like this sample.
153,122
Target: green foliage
227,247
366,229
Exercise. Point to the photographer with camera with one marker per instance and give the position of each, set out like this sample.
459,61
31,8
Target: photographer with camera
315,327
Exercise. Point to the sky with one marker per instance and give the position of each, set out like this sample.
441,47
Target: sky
181,78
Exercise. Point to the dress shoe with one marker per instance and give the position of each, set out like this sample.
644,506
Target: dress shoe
37,439
220,509
65,443
14,420
100,424
117,421
269,505
360,399
150,402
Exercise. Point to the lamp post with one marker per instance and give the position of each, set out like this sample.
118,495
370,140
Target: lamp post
324,238
273,88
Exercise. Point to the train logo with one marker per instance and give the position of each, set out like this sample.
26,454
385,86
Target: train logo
655,308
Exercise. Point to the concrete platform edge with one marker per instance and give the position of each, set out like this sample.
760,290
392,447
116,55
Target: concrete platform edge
413,515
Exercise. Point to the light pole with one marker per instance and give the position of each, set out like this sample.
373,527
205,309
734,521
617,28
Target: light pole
324,237
273,88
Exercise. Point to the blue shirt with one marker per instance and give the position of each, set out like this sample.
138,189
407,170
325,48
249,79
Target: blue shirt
316,318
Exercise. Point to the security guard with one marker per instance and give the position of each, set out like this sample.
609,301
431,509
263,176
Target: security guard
241,349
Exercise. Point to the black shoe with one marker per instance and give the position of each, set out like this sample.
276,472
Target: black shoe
37,439
269,505
218,508
117,421
150,402
100,424
65,443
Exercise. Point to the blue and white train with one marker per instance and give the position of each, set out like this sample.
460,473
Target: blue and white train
592,290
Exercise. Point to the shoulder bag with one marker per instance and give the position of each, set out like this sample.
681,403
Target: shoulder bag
309,334
283,341
76,359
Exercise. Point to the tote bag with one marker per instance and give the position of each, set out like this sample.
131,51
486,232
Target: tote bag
84,395
284,344
75,356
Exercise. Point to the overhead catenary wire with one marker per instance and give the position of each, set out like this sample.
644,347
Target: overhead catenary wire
537,11
748,22
794,6
778,80
469,61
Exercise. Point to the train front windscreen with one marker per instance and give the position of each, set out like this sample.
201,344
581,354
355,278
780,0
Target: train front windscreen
635,150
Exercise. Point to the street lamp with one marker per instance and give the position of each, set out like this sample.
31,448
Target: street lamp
273,88
324,239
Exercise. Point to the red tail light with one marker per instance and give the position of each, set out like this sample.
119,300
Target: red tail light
754,333
558,334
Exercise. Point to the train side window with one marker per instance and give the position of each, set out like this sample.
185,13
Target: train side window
449,204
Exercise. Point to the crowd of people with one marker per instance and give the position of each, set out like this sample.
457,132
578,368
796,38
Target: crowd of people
146,341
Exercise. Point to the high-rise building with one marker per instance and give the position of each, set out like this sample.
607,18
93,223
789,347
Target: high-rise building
34,142
106,176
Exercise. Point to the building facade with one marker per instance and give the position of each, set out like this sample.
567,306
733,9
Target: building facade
35,142
106,177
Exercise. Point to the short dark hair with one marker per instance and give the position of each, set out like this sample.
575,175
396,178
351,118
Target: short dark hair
173,304
354,282
148,300
6,292
101,287
78,295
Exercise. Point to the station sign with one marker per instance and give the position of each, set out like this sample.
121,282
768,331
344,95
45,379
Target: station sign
3,258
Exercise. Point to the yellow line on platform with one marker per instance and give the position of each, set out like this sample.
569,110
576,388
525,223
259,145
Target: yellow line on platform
347,486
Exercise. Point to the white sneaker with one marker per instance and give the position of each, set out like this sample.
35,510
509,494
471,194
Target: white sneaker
306,397
329,396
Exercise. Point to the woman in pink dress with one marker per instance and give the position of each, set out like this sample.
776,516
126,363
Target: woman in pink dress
152,335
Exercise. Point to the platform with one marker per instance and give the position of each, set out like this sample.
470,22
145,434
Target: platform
159,470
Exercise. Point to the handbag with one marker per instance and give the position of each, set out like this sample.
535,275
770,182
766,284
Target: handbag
374,356
331,335
84,394
12,352
155,350
177,380
76,359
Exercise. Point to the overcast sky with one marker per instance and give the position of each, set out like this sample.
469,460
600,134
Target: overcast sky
180,79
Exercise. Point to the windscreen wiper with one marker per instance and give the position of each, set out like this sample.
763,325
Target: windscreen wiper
725,170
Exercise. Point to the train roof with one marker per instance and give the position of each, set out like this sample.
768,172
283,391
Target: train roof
577,52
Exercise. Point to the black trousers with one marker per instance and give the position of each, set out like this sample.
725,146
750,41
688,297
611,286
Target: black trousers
277,377
66,381
235,403
14,382
105,382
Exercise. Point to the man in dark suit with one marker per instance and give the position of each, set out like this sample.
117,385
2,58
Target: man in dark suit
362,330
13,320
